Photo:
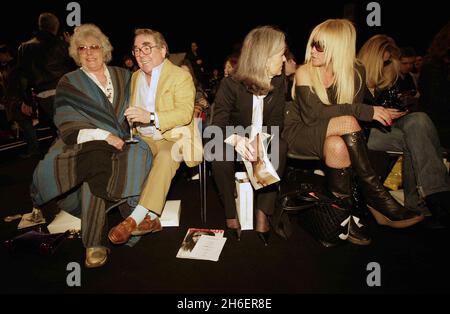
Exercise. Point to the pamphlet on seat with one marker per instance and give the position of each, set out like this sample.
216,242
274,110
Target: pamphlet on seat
260,170
31,219
203,244
63,222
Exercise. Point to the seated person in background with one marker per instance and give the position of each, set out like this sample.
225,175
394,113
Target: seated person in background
128,63
406,83
329,90
90,104
290,66
230,65
424,174
201,99
161,106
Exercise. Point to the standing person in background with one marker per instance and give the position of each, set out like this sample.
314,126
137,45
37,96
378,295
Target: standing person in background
41,62
434,80
197,62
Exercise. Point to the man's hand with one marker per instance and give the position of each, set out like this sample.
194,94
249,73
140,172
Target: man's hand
197,111
115,141
26,110
137,114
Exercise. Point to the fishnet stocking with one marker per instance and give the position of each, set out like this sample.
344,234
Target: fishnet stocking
335,150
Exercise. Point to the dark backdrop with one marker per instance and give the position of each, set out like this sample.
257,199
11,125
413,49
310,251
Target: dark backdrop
218,25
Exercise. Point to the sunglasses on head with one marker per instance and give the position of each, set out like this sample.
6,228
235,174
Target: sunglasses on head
387,62
319,47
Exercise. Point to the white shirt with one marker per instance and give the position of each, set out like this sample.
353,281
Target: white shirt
146,98
257,115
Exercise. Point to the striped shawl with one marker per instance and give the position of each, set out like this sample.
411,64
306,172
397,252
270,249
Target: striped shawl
80,104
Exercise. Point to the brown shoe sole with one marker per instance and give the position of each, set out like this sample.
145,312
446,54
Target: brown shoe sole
358,241
383,220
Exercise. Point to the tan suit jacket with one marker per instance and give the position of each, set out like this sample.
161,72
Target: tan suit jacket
174,104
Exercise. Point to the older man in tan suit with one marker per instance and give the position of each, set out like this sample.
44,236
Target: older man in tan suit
161,108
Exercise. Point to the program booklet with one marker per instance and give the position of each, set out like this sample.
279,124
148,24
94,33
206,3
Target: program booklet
203,244
260,170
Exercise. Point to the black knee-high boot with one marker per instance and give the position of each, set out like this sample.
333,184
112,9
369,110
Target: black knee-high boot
380,203
340,183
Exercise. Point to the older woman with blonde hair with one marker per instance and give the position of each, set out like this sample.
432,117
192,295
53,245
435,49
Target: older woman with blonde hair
89,157
253,98
323,122
423,173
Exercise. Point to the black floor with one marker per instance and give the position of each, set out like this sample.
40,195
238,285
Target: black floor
412,260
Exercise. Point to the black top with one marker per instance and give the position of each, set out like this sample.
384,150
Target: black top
307,117
233,105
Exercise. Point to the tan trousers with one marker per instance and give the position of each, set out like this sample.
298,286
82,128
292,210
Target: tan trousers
157,184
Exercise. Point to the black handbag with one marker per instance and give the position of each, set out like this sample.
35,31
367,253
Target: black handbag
36,242
318,214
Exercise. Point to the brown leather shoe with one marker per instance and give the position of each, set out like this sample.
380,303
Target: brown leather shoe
96,256
122,232
147,225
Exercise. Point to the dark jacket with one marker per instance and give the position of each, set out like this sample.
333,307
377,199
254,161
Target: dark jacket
42,61
434,88
233,105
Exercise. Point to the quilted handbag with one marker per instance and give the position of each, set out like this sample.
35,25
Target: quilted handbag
323,221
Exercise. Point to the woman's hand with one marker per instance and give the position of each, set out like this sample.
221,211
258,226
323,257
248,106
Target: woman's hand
382,115
243,147
137,114
197,111
395,113
115,141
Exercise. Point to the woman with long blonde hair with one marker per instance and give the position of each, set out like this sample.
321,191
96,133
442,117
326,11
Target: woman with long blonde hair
323,122
423,173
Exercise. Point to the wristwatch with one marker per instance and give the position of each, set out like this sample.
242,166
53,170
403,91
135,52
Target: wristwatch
152,119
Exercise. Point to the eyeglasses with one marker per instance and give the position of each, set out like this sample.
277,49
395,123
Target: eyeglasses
387,62
319,47
84,49
145,50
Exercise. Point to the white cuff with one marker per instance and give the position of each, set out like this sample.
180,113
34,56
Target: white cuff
87,135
